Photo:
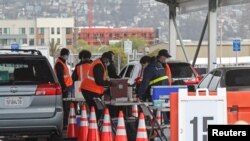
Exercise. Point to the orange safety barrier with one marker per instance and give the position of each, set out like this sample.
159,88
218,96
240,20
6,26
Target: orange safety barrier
238,109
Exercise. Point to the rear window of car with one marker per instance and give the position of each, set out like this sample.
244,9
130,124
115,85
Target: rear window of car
239,77
25,72
181,70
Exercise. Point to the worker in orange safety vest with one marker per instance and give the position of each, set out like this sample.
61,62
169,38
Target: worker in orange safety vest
94,84
81,69
64,78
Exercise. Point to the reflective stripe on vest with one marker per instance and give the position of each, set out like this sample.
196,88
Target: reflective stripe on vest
67,79
89,83
158,80
85,68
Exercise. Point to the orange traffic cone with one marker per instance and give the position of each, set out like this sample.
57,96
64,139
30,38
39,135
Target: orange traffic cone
158,117
141,132
106,130
83,132
121,134
93,134
72,127
134,111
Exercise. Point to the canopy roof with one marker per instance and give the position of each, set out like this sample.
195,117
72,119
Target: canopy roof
196,5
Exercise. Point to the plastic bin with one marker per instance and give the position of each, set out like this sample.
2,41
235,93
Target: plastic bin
163,92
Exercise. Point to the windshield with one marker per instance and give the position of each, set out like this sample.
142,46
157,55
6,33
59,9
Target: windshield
180,70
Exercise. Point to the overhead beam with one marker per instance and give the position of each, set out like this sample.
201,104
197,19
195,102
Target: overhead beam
172,31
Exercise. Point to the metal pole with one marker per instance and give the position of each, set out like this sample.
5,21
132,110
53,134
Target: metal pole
221,36
236,58
180,39
212,34
200,41
172,31
119,63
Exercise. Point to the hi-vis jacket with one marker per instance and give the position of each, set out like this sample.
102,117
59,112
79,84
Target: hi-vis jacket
67,79
89,83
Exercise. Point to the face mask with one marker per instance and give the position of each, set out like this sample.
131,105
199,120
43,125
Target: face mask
107,63
66,57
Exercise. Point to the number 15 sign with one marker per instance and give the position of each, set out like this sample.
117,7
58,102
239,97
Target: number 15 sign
197,112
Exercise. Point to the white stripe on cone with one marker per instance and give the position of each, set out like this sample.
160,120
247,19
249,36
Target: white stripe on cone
72,120
134,111
93,125
106,128
84,123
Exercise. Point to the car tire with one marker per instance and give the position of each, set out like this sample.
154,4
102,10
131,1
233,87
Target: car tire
56,137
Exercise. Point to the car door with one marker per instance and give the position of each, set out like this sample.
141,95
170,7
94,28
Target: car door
211,81
206,80
215,81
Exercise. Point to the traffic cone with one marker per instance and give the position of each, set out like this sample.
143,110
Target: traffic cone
83,132
72,127
134,111
158,116
93,134
106,130
141,132
121,134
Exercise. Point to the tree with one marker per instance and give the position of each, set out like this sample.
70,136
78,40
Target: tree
80,45
54,49
138,43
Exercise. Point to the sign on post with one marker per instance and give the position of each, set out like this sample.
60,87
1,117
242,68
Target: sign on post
14,46
128,46
196,112
236,45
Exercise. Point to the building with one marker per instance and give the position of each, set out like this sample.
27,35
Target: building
37,32
107,35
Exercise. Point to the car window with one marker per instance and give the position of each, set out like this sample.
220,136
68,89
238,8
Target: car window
129,71
205,82
181,70
215,81
239,77
22,72
123,71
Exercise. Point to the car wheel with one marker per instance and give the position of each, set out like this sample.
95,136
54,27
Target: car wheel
56,137
31,139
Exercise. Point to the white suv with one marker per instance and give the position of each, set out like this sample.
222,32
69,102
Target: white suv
181,71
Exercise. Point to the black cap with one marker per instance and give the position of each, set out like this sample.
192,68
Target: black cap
164,52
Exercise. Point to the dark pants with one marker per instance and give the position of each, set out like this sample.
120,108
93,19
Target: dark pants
65,108
89,97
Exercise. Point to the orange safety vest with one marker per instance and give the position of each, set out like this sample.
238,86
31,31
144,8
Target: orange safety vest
67,79
168,73
85,69
89,83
